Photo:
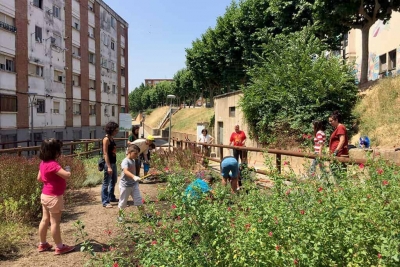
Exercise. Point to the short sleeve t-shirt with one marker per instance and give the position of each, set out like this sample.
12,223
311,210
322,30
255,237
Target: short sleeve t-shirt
53,185
237,138
130,165
196,188
141,143
335,139
319,141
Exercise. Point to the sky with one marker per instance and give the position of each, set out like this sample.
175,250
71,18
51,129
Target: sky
159,32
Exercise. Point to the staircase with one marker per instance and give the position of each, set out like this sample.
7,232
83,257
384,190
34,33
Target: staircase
165,119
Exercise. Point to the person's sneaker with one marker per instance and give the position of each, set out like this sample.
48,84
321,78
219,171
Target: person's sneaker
44,247
114,200
64,249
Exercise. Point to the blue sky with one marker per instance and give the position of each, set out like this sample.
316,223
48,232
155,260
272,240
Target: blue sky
160,30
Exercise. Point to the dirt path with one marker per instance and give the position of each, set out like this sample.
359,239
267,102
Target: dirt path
84,205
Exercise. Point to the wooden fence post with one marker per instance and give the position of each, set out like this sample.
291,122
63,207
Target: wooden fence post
278,163
19,152
221,153
71,148
87,150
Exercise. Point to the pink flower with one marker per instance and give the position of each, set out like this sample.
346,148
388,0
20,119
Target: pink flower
229,208
154,242
379,256
286,163
115,264
270,234
309,136
379,171
173,206
166,169
385,182
302,212
361,166
287,192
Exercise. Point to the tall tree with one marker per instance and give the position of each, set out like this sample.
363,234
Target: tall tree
356,14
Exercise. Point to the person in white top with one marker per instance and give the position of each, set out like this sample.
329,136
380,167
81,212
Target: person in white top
205,138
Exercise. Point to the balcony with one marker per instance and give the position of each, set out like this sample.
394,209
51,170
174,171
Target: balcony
7,27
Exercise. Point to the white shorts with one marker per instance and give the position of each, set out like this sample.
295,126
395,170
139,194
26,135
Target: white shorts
125,192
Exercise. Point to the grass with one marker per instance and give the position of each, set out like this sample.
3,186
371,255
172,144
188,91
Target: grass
186,119
12,236
378,112
156,115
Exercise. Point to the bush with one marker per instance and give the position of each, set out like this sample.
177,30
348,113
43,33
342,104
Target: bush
12,234
19,189
294,83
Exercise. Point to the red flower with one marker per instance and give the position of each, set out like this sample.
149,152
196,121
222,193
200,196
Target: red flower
304,136
166,169
173,206
115,264
176,230
247,225
277,247
295,262
270,234
178,218
379,256
361,166
154,242
385,182
302,212
107,232
320,189
229,208
309,136
287,192
379,171
143,201
286,163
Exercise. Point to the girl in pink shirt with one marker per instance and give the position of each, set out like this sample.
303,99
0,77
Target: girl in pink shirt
53,178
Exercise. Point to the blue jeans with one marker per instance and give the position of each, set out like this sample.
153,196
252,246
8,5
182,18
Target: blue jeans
109,181
313,167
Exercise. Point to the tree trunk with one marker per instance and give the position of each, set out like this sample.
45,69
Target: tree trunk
365,54
212,97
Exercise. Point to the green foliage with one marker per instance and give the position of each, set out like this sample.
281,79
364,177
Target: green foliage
20,191
12,235
293,83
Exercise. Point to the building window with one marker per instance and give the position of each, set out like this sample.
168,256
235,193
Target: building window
77,108
58,76
105,87
59,136
91,58
56,107
11,139
113,68
112,45
92,109
122,109
56,12
113,22
91,32
113,89
113,111
41,106
56,40
382,63
8,103
38,3
106,111
92,134
392,60
104,62
122,71
77,134
122,52
36,70
122,91
7,22
38,34
76,51
232,111
90,6
10,65
75,80
75,23
37,137
92,84
106,39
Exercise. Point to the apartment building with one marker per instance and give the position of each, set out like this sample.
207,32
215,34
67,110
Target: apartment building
152,82
384,49
63,68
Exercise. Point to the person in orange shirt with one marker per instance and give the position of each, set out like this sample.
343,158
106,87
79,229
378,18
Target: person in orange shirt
238,138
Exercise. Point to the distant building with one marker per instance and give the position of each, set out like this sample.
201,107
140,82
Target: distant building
384,48
74,56
152,82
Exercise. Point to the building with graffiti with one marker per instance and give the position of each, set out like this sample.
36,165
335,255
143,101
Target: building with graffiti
384,49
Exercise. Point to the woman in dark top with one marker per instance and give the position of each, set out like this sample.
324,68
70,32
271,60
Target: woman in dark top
110,168
134,135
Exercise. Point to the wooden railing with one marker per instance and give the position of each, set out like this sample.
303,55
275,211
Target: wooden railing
277,152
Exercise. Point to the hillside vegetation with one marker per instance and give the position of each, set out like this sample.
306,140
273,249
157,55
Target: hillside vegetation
379,113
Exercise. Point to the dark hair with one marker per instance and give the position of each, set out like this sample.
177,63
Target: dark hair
50,149
209,178
133,148
336,116
134,128
204,130
152,146
318,126
110,127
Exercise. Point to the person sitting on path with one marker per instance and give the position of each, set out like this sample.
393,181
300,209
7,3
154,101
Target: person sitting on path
238,139
129,184
110,166
230,165
53,177
143,145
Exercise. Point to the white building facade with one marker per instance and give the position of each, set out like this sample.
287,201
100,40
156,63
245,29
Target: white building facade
66,61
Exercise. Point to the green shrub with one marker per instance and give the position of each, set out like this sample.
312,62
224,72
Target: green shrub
12,234
293,84
19,189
